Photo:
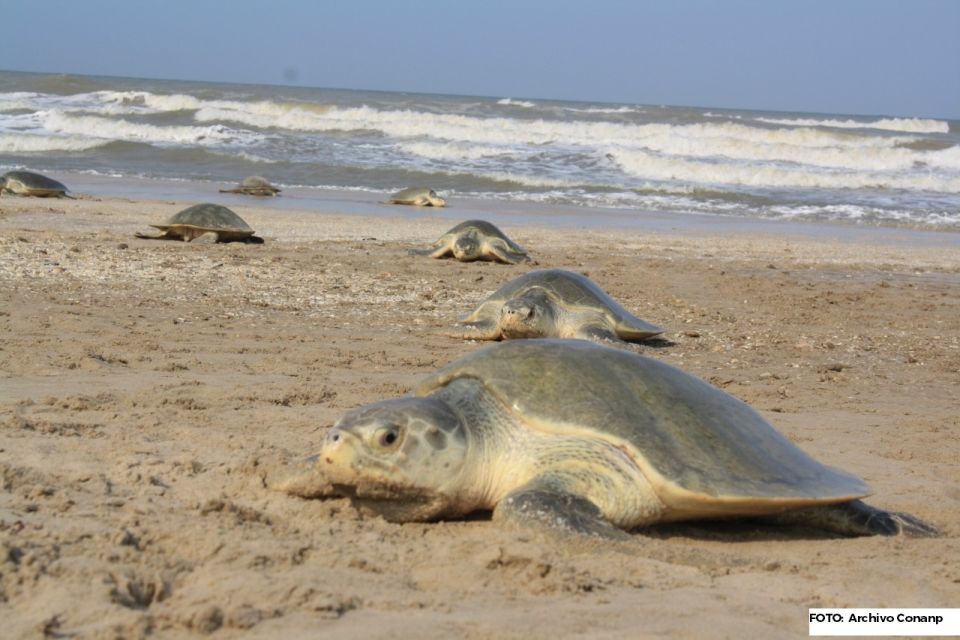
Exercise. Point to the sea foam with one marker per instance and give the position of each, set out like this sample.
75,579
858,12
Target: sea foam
516,103
462,136
914,125
119,129
749,163
658,167
32,143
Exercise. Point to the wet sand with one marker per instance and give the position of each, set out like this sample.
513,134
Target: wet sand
152,393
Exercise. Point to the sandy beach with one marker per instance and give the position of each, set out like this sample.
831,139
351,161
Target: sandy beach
152,394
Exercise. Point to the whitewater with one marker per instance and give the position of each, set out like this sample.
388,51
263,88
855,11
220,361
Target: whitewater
878,169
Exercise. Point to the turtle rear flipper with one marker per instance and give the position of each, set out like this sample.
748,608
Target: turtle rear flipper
856,518
237,190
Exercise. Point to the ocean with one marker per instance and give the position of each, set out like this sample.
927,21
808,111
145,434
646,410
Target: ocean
634,158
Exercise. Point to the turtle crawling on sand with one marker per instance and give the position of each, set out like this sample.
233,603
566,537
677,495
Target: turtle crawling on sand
205,223
553,303
417,196
475,240
254,186
28,183
571,436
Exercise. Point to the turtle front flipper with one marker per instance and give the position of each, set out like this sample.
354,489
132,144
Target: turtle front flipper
205,237
432,252
502,252
166,235
231,190
476,330
551,510
856,518
600,334
438,249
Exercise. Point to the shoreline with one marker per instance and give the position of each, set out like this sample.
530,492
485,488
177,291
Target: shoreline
368,203
153,394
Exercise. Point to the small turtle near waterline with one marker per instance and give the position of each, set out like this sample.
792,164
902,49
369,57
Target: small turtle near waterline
417,196
475,240
553,303
28,183
206,223
254,186
567,436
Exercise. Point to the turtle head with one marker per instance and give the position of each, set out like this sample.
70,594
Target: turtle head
531,315
399,458
435,200
466,247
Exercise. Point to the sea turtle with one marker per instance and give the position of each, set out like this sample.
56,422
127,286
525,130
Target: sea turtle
553,303
205,222
254,186
418,196
28,183
475,240
571,436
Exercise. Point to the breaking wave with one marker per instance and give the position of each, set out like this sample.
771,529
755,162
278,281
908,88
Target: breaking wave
912,125
450,136
623,109
118,129
555,151
516,103
31,143
658,167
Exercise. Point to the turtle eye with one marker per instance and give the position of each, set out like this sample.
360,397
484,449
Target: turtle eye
387,437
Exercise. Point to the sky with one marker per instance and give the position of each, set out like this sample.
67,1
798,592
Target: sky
871,57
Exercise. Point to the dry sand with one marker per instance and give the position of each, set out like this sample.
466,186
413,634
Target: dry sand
151,392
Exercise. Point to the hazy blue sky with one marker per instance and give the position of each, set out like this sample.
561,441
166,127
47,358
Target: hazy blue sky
896,57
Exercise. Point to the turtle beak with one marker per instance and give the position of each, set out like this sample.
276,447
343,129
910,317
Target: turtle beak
516,310
335,448
331,444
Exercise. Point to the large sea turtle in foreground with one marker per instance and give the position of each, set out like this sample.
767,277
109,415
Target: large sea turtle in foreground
475,240
28,183
553,303
254,186
417,196
205,222
573,436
